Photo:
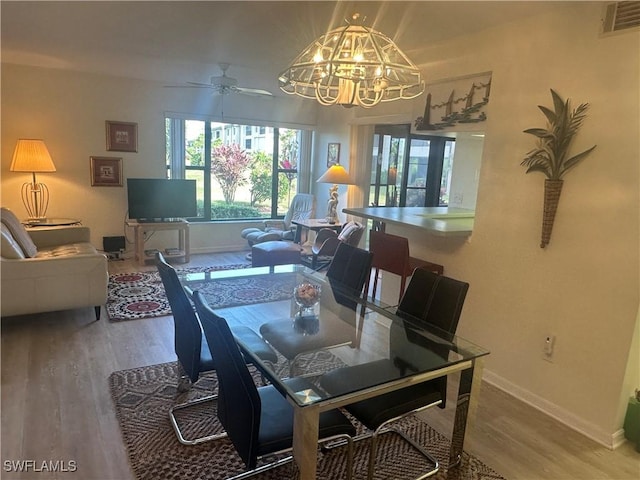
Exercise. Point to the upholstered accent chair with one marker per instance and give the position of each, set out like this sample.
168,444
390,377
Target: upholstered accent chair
303,207
46,269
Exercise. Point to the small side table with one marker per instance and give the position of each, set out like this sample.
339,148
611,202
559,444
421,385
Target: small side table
51,222
314,224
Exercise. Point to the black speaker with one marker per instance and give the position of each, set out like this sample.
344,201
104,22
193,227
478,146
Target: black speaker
112,244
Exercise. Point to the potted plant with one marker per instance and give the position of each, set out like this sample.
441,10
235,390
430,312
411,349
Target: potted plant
551,155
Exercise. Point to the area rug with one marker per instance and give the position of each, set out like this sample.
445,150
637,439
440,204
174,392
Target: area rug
141,294
144,395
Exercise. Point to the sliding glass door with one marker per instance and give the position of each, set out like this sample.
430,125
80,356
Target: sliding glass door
410,170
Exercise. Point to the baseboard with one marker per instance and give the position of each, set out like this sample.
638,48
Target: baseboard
588,429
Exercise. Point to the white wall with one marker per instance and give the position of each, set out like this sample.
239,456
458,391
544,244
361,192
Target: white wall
465,175
68,110
584,287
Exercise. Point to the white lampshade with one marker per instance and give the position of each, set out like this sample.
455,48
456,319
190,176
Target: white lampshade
31,156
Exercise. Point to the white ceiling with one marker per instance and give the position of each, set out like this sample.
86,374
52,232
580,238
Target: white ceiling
178,41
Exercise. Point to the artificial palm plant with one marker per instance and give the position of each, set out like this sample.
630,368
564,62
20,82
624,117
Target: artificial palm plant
551,155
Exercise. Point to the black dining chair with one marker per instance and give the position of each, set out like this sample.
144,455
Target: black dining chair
434,302
347,275
259,421
191,347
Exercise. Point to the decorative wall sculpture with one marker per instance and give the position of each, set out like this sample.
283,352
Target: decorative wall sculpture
550,156
465,109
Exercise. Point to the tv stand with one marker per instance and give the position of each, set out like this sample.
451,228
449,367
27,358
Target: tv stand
140,228
160,220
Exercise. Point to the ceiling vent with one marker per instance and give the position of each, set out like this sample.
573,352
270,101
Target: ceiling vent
621,16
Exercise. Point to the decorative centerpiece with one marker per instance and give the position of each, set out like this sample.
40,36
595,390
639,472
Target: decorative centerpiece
306,296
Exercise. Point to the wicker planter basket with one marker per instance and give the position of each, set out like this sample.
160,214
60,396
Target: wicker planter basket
552,191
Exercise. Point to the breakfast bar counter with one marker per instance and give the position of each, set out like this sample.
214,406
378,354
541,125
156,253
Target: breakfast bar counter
440,221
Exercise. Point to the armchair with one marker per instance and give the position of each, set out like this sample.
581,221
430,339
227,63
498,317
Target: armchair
327,241
303,206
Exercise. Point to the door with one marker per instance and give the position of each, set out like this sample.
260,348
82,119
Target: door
410,170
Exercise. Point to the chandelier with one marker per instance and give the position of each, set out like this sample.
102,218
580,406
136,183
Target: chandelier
352,66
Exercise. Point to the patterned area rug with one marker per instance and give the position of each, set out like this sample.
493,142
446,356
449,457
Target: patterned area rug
144,395
141,295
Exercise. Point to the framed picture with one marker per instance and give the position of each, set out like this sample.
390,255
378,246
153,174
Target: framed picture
106,172
333,154
122,136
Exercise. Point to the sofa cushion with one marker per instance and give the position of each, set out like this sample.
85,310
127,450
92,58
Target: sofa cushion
69,250
18,232
9,247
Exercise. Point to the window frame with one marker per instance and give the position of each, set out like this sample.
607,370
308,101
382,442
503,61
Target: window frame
176,158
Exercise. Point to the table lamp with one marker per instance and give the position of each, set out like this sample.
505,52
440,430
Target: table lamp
336,174
32,156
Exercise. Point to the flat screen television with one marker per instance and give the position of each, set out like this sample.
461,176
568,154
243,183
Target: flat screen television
160,199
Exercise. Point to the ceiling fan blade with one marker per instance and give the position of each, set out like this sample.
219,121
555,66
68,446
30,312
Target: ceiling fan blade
253,91
200,85
190,85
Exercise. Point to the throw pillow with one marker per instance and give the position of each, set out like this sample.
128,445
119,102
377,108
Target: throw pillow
8,246
347,231
18,232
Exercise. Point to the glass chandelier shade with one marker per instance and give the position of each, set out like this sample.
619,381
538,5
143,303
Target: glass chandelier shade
352,66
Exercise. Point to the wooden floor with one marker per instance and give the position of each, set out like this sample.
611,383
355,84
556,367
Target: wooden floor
56,404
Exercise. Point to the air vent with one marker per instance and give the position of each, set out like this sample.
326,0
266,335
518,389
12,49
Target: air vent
621,16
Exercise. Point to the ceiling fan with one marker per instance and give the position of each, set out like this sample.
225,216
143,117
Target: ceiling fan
223,85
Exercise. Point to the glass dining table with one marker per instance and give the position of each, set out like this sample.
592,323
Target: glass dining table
265,295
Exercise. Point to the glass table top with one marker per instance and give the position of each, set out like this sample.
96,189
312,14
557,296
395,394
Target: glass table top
382,348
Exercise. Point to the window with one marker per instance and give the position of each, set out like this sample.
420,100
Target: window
237,177
410,170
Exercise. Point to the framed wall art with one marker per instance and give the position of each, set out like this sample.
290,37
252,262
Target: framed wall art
106,172
122,136
333,154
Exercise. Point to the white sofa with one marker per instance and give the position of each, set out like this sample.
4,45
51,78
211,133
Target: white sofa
49,269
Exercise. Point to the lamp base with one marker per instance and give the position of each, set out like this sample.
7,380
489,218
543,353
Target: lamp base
332,206
35,197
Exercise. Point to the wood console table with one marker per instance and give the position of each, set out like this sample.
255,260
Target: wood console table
140,228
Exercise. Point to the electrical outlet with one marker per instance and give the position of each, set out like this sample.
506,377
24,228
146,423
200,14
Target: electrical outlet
549,345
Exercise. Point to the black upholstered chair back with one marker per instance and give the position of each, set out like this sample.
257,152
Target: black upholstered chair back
349,271
434,299
419,294
188,333
239,405
447,303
